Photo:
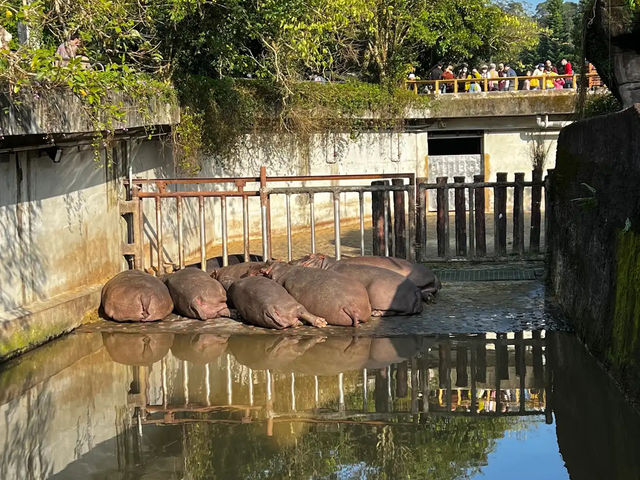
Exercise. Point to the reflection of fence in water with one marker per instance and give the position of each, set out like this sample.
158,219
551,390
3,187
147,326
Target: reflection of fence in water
504,376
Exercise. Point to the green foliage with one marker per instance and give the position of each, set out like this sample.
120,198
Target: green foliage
599,104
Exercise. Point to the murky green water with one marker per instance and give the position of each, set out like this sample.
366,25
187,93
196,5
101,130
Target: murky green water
146,405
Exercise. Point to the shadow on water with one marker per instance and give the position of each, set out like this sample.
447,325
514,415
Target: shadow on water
284,406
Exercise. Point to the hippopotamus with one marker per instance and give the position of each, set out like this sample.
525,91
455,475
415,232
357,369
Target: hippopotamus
273,352
199,348
425,279
214,263
133,295
227,275
389,292
387,351
196,295
137,349
261,301
335,355
330,295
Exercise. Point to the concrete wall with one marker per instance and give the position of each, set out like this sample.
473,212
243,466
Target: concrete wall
594,263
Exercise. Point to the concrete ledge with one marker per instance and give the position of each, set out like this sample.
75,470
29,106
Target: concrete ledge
64,113
34,325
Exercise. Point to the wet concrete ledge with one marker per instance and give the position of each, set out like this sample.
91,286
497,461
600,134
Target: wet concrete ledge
28,327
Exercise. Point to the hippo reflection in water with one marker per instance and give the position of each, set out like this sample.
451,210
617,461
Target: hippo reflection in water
199,348
138,349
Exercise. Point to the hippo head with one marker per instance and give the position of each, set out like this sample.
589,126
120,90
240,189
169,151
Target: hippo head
206,309
275,270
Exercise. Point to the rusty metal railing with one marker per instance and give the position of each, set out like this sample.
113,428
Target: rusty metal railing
223,190
470,231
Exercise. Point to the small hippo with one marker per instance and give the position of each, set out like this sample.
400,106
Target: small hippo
133,295
137,349
389,292
330,295
261,301
227,275
214,263
196,295
199,348
424,278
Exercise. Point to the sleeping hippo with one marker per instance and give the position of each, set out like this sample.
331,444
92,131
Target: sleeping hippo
134,295
196,295
424,278
261,301
137,349
330,295
389,292
199,348
227,275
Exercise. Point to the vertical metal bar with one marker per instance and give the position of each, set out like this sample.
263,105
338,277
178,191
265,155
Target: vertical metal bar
268,385
341,391
472,224
250,387
185,381
159,234
287,203
229,382
361,203
422,224
312,215
518,215
336,222
316,390
365,399
207,383
180,233
225,239
401,249
293,392
203,244
411,212
138,227
265,240
385,221
163,371
245,228
547,206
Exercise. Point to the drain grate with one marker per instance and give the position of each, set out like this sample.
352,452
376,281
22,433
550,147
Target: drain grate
488,274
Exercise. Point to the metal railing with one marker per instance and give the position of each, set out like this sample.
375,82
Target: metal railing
462,85
470,231
163,191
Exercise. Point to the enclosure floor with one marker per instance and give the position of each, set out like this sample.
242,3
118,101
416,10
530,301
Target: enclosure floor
461,307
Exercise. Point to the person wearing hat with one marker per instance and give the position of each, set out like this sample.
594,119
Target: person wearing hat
535,83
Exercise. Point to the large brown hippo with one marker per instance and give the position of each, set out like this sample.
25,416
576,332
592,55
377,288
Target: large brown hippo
196,295
227,275
272,352
137,348
133,295
425,279
389,292
199,348
330,295
261,301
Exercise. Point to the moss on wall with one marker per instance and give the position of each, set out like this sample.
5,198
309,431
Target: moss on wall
626,317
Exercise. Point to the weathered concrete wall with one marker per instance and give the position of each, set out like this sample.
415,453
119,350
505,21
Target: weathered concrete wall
595,243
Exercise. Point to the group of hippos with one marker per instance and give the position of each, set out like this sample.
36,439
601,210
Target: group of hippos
316,290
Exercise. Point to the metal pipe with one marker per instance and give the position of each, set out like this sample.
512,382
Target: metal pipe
316,390
361,204
245,228
163,370
341,390
365,393
203,244
225,239
207,383
180,233
293,391
336,223
250,387
287,203
159,234
268,385
312,215
385,223
185,381
229,383
265,240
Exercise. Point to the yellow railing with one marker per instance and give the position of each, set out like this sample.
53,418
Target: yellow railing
486,84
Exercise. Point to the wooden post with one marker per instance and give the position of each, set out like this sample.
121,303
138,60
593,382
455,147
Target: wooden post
402,376
518,215
460,219
462,359
481,235
399,220
442,198
547,206
421,231
536,198
500,216
377,219
481,359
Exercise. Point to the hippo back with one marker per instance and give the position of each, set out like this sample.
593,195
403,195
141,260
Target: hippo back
133,295
196,295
